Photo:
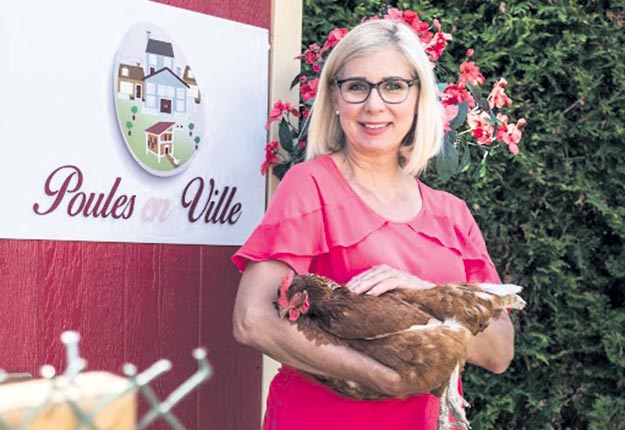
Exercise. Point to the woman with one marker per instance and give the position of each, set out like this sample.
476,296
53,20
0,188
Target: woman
355,212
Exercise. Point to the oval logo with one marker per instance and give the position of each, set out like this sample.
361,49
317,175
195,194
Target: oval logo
158,102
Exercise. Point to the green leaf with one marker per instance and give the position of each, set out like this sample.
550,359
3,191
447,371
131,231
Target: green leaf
285,135
480,170
295,80
466,160
480,101
447,159
461,117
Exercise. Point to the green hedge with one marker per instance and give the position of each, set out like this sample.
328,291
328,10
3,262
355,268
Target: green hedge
554,216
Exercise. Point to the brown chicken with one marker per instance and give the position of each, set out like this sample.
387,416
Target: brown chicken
421,334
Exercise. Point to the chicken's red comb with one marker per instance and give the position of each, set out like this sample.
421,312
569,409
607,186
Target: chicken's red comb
287,279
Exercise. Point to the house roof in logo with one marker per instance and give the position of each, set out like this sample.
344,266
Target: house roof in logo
134,72
166,69
188,76
160,48
159,127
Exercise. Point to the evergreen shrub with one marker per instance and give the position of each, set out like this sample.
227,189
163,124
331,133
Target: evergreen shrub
553,216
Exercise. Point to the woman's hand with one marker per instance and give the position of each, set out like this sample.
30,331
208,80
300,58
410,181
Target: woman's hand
380,279
389,382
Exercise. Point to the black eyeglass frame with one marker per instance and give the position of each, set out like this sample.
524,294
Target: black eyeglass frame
410,82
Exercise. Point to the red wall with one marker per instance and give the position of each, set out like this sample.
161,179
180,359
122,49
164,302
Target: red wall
137,303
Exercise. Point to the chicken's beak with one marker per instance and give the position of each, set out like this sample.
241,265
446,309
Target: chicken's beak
283,313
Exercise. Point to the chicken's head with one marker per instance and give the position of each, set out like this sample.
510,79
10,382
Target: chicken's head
292,300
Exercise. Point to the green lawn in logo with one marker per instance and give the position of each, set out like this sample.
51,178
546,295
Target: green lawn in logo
184,136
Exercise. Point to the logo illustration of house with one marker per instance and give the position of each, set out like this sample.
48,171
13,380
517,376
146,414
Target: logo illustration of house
130,81
157,93
159,140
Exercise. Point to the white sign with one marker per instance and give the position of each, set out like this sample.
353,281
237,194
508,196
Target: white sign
130,121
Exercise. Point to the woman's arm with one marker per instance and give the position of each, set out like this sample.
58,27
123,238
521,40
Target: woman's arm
256,323
493,349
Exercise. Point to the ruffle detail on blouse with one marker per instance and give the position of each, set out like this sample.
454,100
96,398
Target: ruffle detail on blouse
444,230
315,210
296,240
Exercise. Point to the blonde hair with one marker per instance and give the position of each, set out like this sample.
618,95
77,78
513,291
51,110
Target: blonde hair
325,134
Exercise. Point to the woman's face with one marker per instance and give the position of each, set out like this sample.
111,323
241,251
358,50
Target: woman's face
375,126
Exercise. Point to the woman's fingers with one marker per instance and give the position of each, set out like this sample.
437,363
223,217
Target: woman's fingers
380,279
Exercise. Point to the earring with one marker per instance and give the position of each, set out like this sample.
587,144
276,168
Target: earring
336,112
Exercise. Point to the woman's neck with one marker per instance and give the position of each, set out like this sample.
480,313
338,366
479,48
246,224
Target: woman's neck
377,171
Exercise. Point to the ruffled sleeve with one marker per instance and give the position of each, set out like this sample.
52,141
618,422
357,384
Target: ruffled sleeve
449,222
478,265
292,229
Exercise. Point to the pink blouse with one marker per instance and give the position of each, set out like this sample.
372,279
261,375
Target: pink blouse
317,223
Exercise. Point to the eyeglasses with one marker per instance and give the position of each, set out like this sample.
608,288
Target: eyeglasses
391,90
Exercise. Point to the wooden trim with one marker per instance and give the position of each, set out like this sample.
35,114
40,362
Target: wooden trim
286,41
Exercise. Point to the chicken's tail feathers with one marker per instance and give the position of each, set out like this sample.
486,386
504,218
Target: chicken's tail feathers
507,295
501,289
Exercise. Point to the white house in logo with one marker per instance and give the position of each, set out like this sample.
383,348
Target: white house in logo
158,101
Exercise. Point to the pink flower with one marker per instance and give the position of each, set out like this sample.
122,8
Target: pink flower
271,149
481,127
498,97
470,52
278,109
334,38
309,91
470,74
311,55
449,113
455,94
438,43
510,134
395,14
412,19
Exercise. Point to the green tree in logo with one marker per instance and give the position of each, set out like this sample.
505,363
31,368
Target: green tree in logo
134,111
129,126
191,127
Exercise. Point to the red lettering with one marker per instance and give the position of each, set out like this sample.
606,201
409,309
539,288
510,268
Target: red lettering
207,206
81,203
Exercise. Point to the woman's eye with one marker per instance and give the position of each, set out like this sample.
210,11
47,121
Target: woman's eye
394,85
357,87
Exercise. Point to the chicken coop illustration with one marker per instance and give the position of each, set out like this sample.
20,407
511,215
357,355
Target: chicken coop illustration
159,140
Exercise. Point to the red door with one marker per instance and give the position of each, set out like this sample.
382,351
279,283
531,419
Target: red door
136,303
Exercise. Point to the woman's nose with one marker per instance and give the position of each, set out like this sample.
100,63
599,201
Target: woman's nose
374,101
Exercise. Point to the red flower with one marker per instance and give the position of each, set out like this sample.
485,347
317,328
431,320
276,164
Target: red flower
470,74
277,110
481,127
271,149
412,18
455,94
309,91
438,43
311,55
470,52
510,134
498,97
334,37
